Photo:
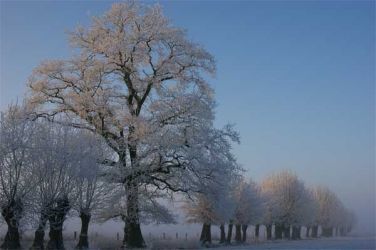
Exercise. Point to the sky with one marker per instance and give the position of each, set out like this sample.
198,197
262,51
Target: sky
297,78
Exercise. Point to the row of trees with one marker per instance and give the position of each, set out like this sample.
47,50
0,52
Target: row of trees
48,170
281,201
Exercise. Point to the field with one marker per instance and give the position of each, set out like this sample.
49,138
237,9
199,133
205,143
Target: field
169,244
323,243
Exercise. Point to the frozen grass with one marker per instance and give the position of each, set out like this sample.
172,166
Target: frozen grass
173,244
102,243
341,243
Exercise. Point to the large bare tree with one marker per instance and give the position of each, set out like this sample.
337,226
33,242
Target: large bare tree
140,83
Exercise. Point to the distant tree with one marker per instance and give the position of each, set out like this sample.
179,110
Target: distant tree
16,180
139,83
286,200
214,206
248,207
347,223
328,206
268,213
201,210
310,214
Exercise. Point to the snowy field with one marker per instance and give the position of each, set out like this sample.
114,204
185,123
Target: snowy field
322,243
104,236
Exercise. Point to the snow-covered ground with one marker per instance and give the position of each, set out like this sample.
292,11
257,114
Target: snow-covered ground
322,243
104,236
343,243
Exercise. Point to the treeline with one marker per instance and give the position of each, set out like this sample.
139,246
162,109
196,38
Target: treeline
49,171
281,202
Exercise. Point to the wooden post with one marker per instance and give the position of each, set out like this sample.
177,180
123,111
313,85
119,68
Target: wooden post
75,235
177,236
117,236
164,236
186,236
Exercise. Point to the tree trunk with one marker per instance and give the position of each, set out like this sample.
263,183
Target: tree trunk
287,232
307,231
238,233
56,219
342,231
208,233
296,232
12,213
205,234
132,230
268,232
83,243
244,229
229,233
123,218
223,234
55,241
314,233
12,237
38,242
327,231
257,231
278,231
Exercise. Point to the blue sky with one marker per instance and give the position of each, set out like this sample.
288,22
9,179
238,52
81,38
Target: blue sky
297,78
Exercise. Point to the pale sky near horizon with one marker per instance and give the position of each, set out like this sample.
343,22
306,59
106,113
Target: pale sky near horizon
296,77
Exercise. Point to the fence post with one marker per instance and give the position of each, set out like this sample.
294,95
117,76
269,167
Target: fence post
186,236
177,236
75,235
117,236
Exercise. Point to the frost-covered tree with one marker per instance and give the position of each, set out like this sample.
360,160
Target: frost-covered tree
328,207
268,213
138,82
213,206
286,200
248,207
16,180
58,153
347,222
310,214
151,210
91,191
201,210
